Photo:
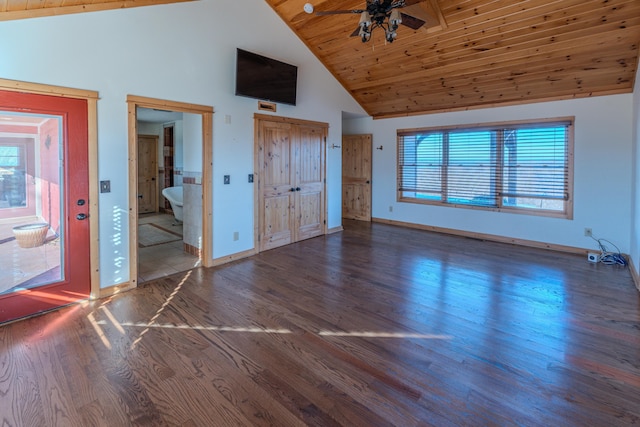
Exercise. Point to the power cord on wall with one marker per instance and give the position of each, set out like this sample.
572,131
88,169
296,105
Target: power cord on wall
609,257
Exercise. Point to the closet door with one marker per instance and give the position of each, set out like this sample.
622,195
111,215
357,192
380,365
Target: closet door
309,149
291,181
276,185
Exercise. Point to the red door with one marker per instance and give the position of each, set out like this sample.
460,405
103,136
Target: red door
44,251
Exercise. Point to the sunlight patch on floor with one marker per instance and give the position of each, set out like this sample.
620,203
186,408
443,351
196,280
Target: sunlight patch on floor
207,328
161,309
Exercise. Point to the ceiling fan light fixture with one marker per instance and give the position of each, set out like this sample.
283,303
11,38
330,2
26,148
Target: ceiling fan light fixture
365,20
365,34
383,14
395,18
390,35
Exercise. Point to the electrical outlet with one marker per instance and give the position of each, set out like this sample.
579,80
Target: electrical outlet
236,236
227,179
390,208
588,232
593,257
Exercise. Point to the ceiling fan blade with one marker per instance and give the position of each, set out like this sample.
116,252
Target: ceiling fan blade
411,21
338,12
424,11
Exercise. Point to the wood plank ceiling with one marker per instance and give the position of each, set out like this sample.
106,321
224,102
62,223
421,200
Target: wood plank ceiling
479,53
22,9
471,53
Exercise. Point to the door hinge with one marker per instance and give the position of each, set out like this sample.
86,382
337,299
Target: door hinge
325,222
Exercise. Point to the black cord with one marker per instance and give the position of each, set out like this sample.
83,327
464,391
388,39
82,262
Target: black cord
609,257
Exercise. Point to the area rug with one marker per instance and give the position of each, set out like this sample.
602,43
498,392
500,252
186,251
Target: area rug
152,235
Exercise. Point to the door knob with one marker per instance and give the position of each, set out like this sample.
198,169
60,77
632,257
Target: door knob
81,216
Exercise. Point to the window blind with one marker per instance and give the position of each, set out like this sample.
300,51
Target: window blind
518,166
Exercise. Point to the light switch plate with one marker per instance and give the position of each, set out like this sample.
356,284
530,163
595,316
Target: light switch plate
105,186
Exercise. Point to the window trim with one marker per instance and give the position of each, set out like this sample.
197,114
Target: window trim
566,214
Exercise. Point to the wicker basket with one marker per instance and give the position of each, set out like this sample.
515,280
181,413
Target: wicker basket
31,235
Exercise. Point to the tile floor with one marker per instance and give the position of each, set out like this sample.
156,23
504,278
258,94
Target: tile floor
27,267
164,259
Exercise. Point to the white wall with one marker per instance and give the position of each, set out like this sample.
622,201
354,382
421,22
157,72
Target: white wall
635,183
602,173
191,148
181,52
147,128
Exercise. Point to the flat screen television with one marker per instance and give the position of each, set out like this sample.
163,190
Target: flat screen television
264,78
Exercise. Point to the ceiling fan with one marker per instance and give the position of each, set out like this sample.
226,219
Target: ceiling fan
384,14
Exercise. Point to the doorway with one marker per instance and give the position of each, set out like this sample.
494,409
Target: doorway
166,246
162,248
46,201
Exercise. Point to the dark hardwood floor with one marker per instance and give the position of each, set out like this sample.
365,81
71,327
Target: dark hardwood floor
374,326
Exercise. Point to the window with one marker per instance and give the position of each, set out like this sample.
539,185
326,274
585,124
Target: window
13,191
516,167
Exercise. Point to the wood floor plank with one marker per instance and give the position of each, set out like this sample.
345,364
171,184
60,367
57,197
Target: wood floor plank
377,325
20,402
53,387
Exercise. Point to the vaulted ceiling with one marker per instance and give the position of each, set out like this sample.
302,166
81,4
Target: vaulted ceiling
469,54
475,53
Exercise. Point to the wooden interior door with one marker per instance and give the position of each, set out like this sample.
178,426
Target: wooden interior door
291,181
147,173
51,269
276,185
356,177
309,149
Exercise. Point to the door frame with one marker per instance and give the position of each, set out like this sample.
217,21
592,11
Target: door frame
91,98
206,112
257,172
